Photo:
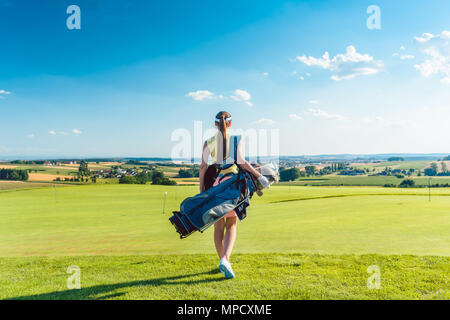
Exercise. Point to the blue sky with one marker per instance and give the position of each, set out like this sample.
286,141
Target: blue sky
136,72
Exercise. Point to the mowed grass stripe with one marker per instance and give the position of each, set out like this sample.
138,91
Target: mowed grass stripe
363,194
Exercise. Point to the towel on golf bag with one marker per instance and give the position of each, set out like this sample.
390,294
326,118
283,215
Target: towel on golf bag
199,212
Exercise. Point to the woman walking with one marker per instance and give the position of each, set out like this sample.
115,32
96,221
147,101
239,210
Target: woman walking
219,147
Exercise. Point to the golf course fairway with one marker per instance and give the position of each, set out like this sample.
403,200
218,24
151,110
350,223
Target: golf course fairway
296,243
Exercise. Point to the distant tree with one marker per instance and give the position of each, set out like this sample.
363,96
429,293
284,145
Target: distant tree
158,178
289,174
407,183
390,185
127,180
432,170
396,159
143,177
444,167
83,169
310,170
14,174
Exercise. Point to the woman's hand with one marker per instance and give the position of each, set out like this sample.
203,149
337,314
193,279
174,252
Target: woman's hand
264,181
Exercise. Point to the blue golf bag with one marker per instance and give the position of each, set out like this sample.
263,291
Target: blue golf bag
199,212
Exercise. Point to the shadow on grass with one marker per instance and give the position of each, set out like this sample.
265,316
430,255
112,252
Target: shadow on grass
107,291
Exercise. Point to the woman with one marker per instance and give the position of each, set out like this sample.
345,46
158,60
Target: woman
219,148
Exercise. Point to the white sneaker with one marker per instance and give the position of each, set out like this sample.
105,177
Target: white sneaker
225,268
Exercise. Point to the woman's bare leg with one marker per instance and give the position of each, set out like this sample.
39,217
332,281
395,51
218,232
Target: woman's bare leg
219,228
230,237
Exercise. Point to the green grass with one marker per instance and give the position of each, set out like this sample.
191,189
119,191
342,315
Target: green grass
128,219
17,185
402,165
296,243
49,169
363,180
259,276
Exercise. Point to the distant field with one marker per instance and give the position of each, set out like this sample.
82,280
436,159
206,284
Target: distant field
364,180
12,185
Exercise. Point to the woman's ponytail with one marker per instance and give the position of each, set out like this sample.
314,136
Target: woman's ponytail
222,126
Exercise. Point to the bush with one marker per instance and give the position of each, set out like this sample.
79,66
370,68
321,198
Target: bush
407,183
127,180
159,179
289,174
430,172
190,173
390,185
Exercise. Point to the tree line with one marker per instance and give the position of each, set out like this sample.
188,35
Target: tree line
13,174
155,176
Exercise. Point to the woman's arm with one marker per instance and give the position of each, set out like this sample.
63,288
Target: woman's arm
203,166
244,163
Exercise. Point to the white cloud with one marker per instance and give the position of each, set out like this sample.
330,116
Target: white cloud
323,62
265,74
403,56
3,92
425,37
323,114
52,132
436,48
314,101
345,66
30,136
402,48
406,57
296,117
242,95
200,95
264,121
76,131
369,120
